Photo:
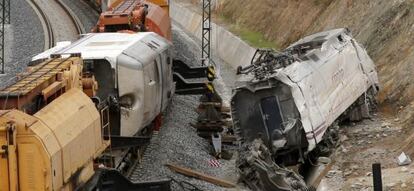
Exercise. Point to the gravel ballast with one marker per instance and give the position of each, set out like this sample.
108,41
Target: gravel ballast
23,39
178,142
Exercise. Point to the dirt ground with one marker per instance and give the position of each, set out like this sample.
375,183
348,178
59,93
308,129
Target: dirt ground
376,140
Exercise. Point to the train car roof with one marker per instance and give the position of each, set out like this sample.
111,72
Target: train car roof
320,47
321,36
109,46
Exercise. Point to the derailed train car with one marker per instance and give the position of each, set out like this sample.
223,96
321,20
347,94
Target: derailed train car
134,73
291,98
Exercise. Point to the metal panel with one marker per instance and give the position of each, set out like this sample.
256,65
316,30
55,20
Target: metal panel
132,94
31,164
73,119
4,159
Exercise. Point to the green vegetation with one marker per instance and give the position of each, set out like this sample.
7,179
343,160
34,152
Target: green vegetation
254,38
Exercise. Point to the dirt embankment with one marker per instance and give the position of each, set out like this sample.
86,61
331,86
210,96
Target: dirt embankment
385,28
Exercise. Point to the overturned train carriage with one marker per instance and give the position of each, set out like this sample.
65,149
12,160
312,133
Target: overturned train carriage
291,98
134,73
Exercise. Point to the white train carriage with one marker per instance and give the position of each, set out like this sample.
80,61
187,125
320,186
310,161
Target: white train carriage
294,96
133,71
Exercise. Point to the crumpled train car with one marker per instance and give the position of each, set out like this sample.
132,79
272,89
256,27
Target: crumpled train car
292,98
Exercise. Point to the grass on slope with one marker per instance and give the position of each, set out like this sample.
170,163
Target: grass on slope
253,38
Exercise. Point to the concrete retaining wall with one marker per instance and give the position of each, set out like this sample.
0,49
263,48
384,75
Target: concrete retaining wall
225,45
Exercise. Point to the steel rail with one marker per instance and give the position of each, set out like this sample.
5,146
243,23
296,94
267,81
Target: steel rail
47,27
75,19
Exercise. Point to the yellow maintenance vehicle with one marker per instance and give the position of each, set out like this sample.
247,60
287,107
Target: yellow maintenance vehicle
52,146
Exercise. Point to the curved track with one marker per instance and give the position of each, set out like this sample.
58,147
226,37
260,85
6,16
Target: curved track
75,20
59,22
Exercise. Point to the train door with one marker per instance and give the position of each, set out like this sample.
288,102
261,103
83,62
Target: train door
105,75
152,91
131,88
167,80
160,82
8,159
4,159
272,116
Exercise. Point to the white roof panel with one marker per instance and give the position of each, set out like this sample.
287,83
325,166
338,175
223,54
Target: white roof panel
109,46
99,45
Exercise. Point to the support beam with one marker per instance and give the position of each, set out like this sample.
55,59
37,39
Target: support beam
6,11
5,19
206,33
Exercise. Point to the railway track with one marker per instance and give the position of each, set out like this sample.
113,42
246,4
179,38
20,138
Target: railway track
134,172
58,21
